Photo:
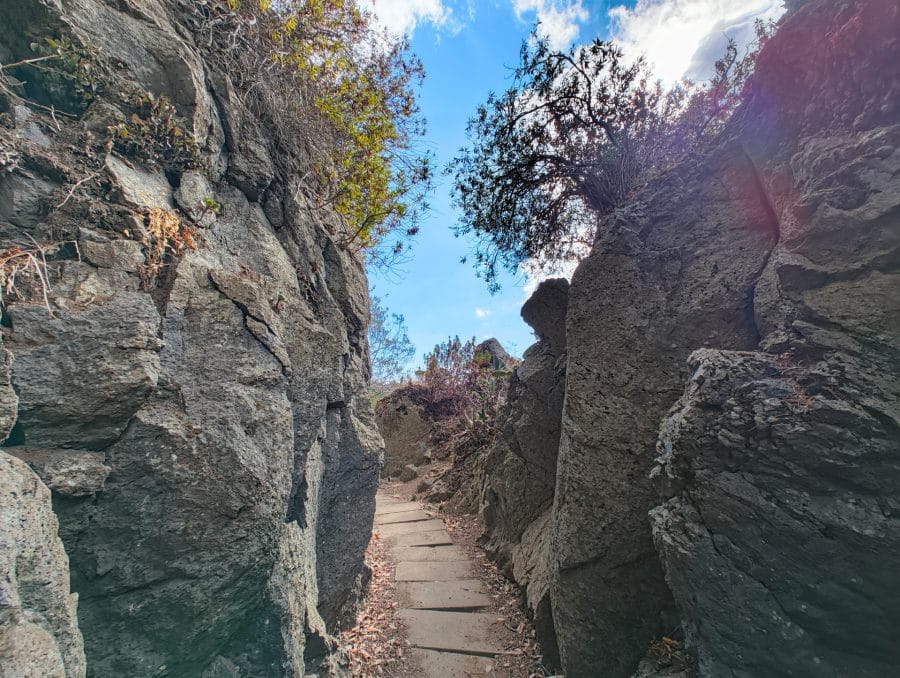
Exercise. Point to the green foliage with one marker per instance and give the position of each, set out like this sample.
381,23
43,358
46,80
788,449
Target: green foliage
69,75
210,204
153,133
389,345
330,80
62,77
571,140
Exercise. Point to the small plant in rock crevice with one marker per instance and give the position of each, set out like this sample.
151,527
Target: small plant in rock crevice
62,77
152,132
166,235
212,205
71,74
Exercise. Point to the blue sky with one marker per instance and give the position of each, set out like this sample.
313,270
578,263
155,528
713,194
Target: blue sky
468,49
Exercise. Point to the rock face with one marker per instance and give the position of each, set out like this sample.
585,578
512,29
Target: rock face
743,251
520,469
39,633
406,428
203,423
778,467
663,279
760,516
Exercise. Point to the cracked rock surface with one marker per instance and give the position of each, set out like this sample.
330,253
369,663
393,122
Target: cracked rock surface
520,468
754,288
204,425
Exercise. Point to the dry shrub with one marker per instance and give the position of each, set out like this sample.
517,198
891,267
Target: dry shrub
166,235
24,273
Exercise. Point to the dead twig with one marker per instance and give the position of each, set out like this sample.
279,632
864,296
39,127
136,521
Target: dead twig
27,62
75,188
28,264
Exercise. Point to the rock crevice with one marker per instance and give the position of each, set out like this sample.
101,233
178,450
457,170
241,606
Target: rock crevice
754,288
214,503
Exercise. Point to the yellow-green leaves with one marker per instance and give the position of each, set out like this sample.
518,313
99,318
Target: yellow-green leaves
359,82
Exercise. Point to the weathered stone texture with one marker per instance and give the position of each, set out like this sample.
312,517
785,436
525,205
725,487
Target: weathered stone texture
520,469
673,272
39,636
777,257
205,428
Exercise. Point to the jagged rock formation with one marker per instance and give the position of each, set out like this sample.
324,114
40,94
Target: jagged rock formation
493,349
520,469
39,633
778,467
663,280
760,517
202,419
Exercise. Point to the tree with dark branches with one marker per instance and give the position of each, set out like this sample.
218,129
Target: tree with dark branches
571,140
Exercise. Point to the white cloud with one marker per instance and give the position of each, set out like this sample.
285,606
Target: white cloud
683,38
403,16
559,19
482,312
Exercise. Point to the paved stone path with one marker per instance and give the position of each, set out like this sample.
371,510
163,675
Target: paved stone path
442,602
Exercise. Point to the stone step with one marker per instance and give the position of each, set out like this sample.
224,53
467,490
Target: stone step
408,528
427,553
467,632
398,508
436,664
431,538
402,517
433,571
460,594
381,498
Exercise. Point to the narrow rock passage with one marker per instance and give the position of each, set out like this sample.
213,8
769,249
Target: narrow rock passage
442,603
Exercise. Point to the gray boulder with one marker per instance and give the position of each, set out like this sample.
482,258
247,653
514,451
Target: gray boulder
39,633
406,428
778,539
407,473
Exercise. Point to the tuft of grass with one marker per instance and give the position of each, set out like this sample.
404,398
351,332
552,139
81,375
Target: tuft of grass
210,204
